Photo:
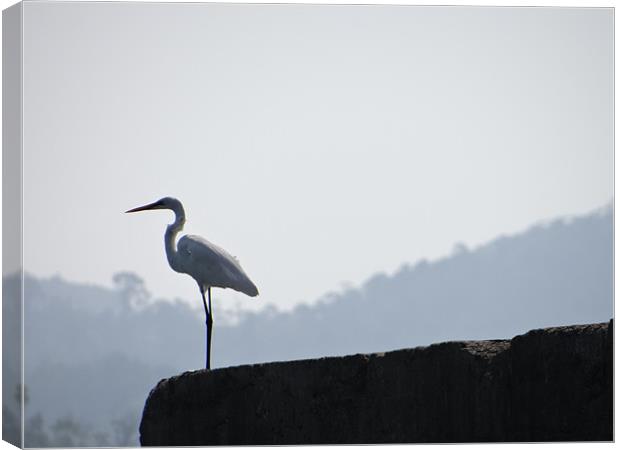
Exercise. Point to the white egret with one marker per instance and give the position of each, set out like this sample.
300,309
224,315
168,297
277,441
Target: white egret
208,264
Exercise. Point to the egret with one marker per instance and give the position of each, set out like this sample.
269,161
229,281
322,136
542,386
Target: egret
209,265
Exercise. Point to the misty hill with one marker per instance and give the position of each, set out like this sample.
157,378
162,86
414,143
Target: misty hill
559,273
93,353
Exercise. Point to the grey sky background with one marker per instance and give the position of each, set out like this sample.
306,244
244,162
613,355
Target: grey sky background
319,144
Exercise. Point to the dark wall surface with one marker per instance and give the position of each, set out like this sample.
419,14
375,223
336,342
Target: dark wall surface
553,384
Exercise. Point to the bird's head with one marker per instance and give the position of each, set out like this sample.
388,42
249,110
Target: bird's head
163,203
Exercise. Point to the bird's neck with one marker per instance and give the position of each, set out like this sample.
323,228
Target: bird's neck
170,241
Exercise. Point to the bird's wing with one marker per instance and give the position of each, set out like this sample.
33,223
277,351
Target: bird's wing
211,265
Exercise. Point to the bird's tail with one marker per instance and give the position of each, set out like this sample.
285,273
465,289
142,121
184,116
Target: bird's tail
249,288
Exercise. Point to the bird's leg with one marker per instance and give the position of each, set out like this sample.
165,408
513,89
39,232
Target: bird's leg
208,334
209,329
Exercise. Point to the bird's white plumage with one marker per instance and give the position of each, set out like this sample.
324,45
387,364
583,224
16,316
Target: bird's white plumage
213,266
207,263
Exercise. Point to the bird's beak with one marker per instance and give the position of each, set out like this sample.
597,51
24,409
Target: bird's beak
155,205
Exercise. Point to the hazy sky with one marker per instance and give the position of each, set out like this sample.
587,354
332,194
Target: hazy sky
319,144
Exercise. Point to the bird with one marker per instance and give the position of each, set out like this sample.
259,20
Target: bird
209,265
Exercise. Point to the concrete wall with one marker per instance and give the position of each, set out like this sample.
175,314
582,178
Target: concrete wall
546,385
